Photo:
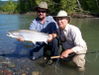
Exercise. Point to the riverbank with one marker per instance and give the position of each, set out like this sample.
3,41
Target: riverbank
82,15
73,15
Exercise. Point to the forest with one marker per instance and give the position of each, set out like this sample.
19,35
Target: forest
71,6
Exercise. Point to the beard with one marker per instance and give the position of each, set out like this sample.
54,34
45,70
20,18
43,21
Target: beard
41,18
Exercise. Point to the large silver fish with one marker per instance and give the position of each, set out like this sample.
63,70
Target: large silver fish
29,35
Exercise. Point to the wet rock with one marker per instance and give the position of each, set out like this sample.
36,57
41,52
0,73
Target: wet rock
24,74
6,72
19,66
35,73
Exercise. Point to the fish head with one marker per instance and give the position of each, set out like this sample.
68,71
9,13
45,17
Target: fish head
13,34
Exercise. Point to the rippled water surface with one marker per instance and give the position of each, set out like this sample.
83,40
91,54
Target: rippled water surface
17,53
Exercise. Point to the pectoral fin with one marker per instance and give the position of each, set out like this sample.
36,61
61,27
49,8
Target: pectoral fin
34,42
46,42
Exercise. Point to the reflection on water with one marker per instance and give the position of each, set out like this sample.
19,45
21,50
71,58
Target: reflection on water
19,51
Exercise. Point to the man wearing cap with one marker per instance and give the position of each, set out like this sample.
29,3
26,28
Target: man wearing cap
74,47
46,24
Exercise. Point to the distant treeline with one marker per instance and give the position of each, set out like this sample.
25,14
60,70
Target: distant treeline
71,6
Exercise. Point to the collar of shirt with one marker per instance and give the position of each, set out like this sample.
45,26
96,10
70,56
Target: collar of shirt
47,20
66,28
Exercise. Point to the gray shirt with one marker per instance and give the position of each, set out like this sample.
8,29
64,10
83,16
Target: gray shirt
74,39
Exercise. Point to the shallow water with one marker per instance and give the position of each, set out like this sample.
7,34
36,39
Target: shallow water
16,54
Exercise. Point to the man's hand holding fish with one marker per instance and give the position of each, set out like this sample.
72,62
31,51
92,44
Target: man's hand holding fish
51,37
20,39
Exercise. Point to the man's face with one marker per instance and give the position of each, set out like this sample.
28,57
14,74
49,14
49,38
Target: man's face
41,14
62,22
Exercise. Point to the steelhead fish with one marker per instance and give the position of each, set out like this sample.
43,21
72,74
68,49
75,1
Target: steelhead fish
29,35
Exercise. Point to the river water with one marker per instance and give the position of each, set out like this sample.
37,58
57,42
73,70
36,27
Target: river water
17,53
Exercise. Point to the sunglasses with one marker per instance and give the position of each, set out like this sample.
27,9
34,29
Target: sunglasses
43,11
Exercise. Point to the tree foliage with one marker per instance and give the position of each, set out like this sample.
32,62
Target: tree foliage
70,6
10,7
90,5
26,5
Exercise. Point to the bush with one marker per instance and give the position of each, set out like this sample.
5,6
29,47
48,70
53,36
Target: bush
9,7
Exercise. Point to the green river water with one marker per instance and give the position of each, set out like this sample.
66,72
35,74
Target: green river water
17,53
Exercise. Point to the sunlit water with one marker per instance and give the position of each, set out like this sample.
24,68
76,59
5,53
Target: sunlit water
12,48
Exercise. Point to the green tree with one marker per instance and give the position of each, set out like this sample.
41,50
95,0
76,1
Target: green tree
54,5
10,7
26,5
68,5
90,5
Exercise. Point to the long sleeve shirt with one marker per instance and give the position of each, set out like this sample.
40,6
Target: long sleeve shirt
74,39
48,27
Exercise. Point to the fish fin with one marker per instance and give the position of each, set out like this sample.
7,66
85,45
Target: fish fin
34,42
46,42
